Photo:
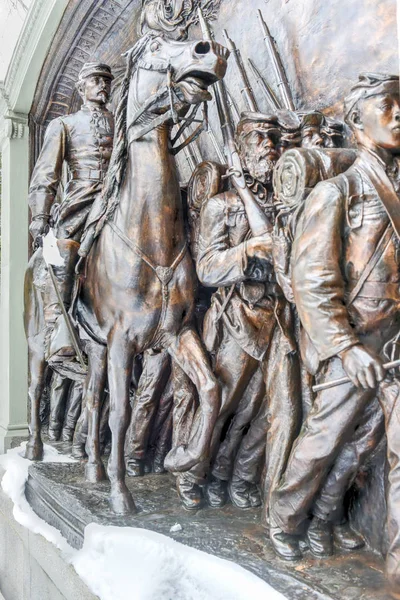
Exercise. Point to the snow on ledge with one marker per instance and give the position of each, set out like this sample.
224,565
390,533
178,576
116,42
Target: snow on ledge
121,563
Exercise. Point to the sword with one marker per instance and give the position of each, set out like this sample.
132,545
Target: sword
52,256
330,384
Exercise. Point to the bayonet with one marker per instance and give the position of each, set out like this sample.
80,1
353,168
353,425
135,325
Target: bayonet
247,91
280,74
269,94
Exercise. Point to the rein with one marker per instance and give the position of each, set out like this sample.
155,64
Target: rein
168,90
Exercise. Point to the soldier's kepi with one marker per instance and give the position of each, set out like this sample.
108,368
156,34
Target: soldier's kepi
83,141
346,285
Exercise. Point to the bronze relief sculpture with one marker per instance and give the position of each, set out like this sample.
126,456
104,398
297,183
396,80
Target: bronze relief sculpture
229,316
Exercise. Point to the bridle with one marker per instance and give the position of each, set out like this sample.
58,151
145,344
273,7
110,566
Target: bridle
168,91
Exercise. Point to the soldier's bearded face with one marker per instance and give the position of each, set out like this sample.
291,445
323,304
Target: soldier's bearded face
380,120
97,89
259,154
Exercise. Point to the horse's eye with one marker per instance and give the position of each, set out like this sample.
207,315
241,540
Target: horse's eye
155,46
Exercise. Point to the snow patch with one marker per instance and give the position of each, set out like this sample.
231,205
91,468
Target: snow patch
121,563
13,484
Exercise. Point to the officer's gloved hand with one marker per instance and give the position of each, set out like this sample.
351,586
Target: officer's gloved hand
38,228
363,367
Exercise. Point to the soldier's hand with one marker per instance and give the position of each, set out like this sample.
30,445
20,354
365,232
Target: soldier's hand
363,367
38,228
260,247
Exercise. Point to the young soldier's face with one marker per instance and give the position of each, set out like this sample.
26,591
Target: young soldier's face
311,137
380,119
97,89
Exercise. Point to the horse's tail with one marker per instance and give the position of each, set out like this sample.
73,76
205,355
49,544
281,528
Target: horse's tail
117,168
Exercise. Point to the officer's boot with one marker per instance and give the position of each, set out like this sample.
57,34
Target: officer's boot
59,343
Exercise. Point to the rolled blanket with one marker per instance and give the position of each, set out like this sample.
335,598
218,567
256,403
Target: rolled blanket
300,169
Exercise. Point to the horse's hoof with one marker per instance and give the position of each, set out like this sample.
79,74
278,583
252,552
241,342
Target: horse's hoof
95,472
180,459
34,450
121,500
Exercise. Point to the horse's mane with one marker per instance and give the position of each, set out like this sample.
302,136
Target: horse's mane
118,161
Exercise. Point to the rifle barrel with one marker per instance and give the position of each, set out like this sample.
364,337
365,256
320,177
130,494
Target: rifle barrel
269,94
280,74
247,90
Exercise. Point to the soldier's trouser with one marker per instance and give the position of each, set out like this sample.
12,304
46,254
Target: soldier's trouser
332,423
156,370
245,416
74,406
59,391
282,381
184,407
250,457
233,368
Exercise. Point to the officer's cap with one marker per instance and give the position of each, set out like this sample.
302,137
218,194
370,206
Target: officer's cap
92,68
370,84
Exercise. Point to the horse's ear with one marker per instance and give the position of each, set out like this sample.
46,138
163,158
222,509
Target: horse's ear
206,181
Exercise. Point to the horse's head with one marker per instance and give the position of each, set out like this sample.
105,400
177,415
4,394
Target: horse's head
191,68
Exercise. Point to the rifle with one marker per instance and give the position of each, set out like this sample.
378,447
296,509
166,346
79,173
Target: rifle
259,224
233,107
246,91
330,384
216,145
269,94
280,74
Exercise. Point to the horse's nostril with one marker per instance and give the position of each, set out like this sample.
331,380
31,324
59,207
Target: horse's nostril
202,48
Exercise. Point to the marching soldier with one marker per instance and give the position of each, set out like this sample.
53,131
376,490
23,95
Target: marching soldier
346,282
83,141
242,320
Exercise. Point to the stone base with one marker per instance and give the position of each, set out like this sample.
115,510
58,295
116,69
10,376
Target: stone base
229,533
31,568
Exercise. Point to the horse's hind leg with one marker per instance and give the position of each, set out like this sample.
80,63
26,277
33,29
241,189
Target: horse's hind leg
36,378
120,364
187,350
93,392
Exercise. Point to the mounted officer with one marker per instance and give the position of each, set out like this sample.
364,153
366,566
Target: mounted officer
346,282
83,141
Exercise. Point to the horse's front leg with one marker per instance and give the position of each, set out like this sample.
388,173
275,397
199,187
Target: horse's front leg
120,364
36,378
188,351
93,393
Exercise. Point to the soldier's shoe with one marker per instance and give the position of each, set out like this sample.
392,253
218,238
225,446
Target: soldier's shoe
215,493
238,491
320,538
67,434
286,545
255,496
54,434
78,450
346,538
135,467
158,465
189,493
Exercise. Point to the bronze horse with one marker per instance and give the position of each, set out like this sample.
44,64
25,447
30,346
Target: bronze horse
138,292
